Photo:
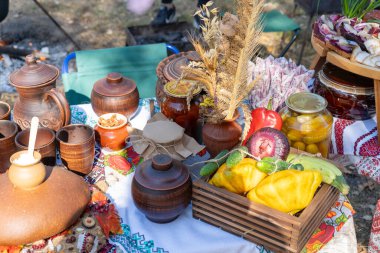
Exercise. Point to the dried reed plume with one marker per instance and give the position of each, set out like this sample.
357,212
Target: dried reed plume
228,46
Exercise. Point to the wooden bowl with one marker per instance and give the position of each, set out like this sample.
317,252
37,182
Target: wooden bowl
161,188
45,144
8,131
5,111
76,145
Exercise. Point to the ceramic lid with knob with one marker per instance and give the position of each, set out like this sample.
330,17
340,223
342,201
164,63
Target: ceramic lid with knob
173,69
33,74
161,173
114,85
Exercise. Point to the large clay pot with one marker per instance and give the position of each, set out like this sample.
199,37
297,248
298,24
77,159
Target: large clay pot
161,188
35,84
116,94
219,136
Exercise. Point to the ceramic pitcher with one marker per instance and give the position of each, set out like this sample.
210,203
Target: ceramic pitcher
35,84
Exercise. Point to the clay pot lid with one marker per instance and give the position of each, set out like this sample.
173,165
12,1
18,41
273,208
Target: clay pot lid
33,74
50,201
173,71
335,77
161,173
114,85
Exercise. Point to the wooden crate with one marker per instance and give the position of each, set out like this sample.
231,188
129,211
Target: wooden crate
275,230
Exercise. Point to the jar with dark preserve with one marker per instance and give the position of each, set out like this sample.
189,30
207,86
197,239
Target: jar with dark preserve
176,107
349,96
307,123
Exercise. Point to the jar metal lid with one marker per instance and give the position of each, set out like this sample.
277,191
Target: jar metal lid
306,102
181,89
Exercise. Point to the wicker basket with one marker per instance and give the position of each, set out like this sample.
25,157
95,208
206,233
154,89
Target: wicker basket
275,230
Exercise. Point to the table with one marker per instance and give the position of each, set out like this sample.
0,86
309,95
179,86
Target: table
187,234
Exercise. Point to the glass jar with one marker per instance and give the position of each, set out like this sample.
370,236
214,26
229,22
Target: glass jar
307,123
176,107
349,96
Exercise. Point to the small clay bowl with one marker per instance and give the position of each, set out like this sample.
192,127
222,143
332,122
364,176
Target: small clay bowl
161,188
112,136
76,144
28,175
5,111
8,131
45,144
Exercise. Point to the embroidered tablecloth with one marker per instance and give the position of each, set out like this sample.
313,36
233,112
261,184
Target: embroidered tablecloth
187,234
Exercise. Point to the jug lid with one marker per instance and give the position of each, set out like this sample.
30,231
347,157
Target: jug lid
161,173
173,69
114,85
33,74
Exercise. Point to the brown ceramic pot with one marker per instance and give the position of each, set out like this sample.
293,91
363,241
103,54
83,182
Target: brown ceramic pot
112,137
161,188
8,131
169,69
115,93
223,135
45,144
35,84
5,111
29,175
76,145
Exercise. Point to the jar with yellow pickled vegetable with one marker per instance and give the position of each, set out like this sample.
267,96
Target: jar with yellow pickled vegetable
307,123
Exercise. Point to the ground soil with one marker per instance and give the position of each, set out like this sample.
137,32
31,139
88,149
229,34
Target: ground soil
103,23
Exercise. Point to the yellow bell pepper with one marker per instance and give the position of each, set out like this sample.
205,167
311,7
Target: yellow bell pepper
288,191
240,179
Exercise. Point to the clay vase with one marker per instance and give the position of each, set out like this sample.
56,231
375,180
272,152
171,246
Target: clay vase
8,131
116,94
112,137
35,84
161,188
5,111
76,144
223,135
45,144
29,175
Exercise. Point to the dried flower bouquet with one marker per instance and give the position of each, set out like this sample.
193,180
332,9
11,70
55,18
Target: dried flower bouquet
226,50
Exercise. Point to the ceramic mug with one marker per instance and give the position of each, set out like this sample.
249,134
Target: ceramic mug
5,111
8,131
76,144
45,144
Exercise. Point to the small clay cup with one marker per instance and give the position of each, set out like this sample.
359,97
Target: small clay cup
45,144
112,137
76,144
26,176
5,111
8,131
161,188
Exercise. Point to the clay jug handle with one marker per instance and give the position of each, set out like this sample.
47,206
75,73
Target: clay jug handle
63,105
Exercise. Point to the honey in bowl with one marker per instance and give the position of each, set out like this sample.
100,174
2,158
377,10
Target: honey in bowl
111,131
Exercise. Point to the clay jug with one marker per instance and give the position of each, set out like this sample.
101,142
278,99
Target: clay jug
223,135
35,84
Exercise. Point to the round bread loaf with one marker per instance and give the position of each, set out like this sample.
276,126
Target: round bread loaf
50,208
